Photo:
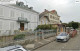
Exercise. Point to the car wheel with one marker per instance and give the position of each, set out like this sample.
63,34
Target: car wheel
66,39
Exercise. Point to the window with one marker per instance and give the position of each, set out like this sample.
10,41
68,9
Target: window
29,26
46,22
1,11
12,26
1,25
63,34
12,13
22,14
16,50
19,50
41,22
51,16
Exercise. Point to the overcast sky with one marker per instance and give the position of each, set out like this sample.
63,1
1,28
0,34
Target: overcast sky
68,10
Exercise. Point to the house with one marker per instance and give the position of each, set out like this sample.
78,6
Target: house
18,17
52,18
49,17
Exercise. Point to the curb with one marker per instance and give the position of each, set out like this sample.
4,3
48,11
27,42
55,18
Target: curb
42,45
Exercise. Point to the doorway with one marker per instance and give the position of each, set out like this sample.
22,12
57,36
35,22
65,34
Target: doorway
22,26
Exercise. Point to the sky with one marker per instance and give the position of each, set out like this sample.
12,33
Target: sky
68,10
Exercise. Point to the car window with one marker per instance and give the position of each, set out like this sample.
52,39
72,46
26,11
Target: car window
19,50
63,34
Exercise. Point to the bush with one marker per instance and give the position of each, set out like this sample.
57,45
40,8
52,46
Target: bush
45,27
21,36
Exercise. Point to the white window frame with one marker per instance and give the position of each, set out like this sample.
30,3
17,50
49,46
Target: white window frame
11,25
1,25
12,13
22,15
1,11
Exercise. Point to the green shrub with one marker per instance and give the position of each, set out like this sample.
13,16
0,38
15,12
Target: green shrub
21,36
45,27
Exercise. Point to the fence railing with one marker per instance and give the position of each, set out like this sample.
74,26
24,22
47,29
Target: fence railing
41,34
17,37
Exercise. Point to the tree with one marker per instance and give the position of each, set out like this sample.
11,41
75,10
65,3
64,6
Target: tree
75,25
65,24
70,24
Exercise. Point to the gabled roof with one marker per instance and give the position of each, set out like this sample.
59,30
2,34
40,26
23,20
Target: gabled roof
46,11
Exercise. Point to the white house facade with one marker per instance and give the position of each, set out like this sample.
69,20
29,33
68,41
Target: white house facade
18,17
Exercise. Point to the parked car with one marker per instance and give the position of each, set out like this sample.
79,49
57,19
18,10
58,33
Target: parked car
13,48
73,33
63,37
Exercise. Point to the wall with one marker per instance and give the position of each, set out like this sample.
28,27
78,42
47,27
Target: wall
6,18
54,18
43,20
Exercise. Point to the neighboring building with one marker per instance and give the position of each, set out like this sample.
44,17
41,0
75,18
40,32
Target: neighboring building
52,18
18,17
49,17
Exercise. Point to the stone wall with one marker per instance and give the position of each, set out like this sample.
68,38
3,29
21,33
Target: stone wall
20,42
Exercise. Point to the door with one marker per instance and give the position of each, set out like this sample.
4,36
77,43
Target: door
22,26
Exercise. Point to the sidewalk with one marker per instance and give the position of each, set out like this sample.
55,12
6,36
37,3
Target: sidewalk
43,42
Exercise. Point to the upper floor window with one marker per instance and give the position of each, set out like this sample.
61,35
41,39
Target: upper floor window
1,23
46,22
22,14
51,16
1,11
12,13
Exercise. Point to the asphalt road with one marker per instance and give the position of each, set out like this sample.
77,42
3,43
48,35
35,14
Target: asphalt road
72,44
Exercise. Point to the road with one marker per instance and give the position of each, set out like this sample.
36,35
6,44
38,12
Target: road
72,44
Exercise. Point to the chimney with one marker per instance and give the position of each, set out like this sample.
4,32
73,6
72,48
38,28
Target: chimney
31,8
45,10
17,3
26,6
20,3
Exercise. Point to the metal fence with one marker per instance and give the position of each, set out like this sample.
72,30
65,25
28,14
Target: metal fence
7,37
42,34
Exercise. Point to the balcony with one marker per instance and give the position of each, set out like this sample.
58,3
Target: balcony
21,19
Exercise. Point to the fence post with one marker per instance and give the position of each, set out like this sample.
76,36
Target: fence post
36,36
42,34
